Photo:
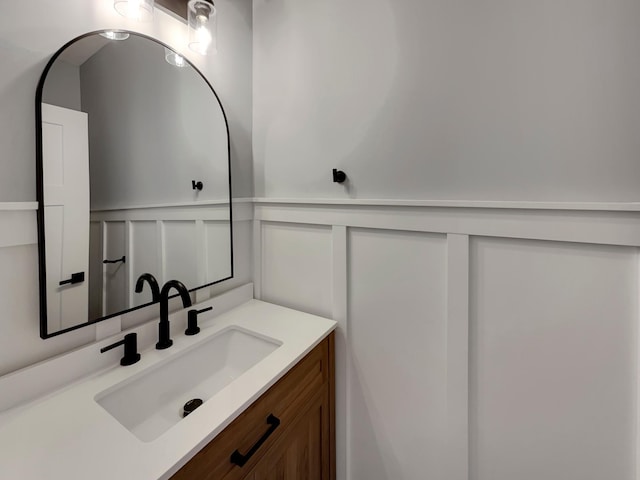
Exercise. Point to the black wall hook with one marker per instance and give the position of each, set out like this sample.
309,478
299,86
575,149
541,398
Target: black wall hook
196,185
339,176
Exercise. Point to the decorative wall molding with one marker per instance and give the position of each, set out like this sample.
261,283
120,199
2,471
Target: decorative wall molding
491,204
214,211
585,236
607,227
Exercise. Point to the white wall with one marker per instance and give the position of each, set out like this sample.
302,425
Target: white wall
29,34
432,99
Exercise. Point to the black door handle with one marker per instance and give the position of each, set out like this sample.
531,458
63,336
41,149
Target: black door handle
75,278
238,459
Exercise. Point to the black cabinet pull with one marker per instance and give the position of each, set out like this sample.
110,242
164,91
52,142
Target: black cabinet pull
123,260
75,278
238,459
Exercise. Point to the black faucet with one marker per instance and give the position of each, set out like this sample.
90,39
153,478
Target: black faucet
153,285
164,336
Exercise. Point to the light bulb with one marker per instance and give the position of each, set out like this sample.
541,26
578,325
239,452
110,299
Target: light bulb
202,26
203,38
115,35
174,58
141,10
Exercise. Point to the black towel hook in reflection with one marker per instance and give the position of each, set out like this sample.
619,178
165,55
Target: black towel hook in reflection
339,176
123,260
196,185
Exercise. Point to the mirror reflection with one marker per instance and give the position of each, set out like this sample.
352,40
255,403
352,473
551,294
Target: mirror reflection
133,178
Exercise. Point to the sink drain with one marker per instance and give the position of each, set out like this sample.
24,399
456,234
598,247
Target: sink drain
190,406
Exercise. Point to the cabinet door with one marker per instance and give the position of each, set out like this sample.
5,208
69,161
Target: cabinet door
303,452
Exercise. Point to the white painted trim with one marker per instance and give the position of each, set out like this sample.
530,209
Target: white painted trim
342,360
18,227
492,204
458,357
206,203
597,227
166,214
162,267
257,259
241,212
637,343
13,206
129,282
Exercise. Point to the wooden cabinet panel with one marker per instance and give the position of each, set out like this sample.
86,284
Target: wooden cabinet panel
303,396
302,453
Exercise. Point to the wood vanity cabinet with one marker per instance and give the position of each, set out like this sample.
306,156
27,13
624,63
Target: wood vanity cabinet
300,447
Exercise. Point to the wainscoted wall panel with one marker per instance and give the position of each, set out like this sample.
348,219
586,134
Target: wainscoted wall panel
475,341
20,342
553,363
181,252
185,242
397,333
296,266
115,285
217,245
96,277
145,254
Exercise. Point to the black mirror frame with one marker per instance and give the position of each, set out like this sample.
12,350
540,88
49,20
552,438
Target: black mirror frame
44,334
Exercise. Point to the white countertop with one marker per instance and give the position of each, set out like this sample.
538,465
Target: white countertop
69,436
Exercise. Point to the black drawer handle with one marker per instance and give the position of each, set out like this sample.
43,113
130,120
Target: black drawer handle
238,459
75,278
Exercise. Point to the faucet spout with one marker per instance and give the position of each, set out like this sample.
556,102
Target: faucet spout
153,285
164,335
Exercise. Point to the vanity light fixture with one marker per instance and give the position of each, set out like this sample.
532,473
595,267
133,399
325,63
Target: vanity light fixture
115,35
202,26
174,58
141,10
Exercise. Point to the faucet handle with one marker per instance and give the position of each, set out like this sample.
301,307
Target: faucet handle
192,321
130,342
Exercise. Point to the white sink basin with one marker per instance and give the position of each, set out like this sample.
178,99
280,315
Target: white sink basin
151,402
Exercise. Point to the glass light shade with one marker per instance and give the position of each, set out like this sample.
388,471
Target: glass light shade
141,10
202,27
174,58
115,35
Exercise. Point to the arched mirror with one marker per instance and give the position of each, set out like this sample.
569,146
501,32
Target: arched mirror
133,177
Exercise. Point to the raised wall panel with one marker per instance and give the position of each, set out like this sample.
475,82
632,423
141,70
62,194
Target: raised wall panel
296,267
144,257
553,361
115,275
180,245
218,246
397,340
96,276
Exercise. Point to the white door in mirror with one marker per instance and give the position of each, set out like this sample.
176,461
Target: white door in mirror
66,203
